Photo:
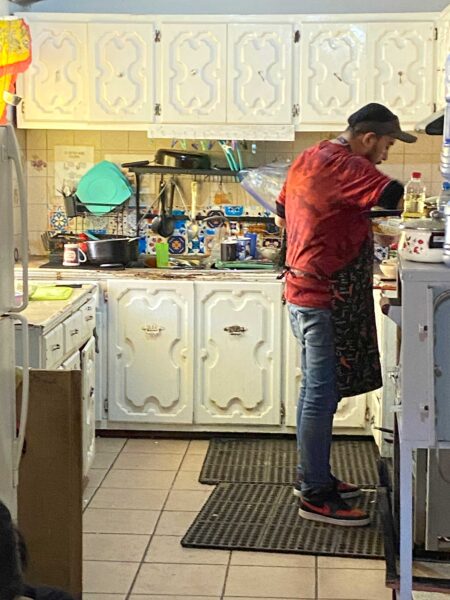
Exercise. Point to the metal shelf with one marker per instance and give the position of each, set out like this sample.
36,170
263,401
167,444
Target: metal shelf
156,169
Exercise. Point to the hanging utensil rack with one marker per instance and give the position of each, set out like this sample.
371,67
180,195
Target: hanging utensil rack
206,174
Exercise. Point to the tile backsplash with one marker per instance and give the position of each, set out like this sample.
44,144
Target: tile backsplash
46,206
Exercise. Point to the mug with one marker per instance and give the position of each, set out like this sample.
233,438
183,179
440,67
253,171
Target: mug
242,248
228,250
73,255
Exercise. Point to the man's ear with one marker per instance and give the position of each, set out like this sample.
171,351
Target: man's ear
368,139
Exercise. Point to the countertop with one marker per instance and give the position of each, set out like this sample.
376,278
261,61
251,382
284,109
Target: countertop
417,271
48,313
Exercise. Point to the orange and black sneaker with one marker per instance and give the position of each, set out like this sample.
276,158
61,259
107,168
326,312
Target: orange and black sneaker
333,510
344,489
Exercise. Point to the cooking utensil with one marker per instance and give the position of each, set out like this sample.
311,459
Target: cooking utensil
182,160
422,240
167,224
192,228
113,249
375,213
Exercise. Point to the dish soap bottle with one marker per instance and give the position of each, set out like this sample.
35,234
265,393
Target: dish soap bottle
414,198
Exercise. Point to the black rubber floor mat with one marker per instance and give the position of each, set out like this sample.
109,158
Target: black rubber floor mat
264,517
266,460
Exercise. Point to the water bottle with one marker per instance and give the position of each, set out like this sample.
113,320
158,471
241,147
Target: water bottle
447,235
444,198
414,197
445,152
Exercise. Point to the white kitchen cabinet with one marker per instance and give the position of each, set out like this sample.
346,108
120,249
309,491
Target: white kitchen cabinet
88,358
55,86
72,363
442,51
193,72
121,72
398,74
332,72
238,336
352,412
260,73
151,343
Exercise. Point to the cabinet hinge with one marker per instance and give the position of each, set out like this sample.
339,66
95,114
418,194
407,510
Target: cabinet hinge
296,110
282,412
105,405
22,106
434,107
157,110
157,35
105,296
296,36
436,33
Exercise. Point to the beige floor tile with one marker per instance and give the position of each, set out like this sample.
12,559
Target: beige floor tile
198,447
148,480
104,596
95,477
105,520
108,577
248,598
129,499
187,500
151,462
188,480
271,559
183,597
103,460
174,523
157,446
270,582
167,549
118,547
201,580
352,584
104,444
333,562
193,462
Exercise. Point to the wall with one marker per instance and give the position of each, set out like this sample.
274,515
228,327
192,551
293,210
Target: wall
237,6
126,146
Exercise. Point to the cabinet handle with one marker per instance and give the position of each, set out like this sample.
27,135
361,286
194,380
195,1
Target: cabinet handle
74,332
56,347
235,329
91,392
152,330
89,317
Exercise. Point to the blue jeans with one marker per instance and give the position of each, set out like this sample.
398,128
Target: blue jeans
313,328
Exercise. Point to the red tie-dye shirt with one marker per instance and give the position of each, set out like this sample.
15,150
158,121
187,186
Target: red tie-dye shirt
327,191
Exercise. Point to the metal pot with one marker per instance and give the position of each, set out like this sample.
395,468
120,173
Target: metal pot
182,160
112,250
422,240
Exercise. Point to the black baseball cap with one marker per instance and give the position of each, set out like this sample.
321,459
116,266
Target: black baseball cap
379,119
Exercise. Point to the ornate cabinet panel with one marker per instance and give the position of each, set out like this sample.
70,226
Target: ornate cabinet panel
238,332
332,71
193,77
88,403
400,59
122,71
260,74
55,85
150,329
443,50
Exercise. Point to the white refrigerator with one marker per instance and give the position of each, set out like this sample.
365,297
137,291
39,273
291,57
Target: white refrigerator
12,421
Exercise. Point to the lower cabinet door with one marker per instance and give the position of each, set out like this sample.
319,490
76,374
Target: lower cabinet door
88,403
238,335
151,339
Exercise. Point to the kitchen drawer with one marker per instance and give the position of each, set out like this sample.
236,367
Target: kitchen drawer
73,332
88,318
53,347
72,363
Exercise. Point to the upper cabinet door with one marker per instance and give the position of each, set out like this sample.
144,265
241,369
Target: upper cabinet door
443,50
260,73
400,74
193,72
55,84
122,71
332,71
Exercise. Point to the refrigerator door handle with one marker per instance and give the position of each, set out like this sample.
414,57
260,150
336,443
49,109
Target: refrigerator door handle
14,155
19,441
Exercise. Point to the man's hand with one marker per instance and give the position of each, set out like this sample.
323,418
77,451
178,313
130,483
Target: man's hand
279,222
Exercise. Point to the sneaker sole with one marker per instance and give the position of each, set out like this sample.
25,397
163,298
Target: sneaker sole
344,495
333,521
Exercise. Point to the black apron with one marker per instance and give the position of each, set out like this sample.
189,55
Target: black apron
357,357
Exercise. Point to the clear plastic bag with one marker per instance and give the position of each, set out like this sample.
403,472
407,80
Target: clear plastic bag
264,184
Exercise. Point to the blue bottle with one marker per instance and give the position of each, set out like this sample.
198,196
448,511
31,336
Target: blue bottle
445,152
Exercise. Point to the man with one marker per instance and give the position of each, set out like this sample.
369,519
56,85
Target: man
324,203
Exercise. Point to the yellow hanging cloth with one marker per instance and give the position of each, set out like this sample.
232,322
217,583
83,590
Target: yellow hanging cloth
15,56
